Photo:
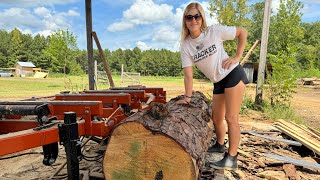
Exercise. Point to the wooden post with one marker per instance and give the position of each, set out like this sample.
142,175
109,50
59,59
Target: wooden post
122,73
250,52
104,61
263,51
95,74
96,71
89,44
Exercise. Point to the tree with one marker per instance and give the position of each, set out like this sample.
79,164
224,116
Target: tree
230,13
4,47
282,81
286,33
61,49
256,11
81,58
3,60
285,27
255,28
15,52
37,56
117,58
309,49
26,51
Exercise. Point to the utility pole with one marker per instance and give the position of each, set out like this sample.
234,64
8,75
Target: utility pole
263,52
89,44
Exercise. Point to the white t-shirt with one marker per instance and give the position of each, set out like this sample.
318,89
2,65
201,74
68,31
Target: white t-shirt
207,51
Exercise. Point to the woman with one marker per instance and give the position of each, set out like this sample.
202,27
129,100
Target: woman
203,46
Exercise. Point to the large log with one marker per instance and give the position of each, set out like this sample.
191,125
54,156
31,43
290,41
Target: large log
168,141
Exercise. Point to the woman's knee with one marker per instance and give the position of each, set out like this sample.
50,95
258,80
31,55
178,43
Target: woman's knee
232,118
217,120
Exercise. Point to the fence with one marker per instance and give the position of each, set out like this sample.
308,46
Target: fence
130,78
102,77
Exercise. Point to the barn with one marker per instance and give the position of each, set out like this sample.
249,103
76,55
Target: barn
251,70
24,69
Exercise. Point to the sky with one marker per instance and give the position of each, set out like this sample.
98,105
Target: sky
147,24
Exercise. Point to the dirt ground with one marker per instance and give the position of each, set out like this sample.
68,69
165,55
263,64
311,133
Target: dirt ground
306,103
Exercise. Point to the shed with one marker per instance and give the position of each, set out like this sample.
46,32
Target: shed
24,68
251,70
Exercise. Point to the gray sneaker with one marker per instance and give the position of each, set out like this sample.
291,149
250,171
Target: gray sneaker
228,162
217,148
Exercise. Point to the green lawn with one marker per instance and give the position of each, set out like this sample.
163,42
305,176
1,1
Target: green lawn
24,88
17,88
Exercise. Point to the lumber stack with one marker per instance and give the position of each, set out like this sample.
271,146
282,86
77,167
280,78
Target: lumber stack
305,135
309,81
167,141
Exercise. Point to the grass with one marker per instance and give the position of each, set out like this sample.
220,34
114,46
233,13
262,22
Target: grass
247,104
17,88
308,73
271,112
23,88
282,112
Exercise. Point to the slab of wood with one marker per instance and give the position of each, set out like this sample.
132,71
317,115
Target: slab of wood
300,133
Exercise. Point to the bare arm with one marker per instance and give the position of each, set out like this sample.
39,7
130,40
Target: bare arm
241,35
188,82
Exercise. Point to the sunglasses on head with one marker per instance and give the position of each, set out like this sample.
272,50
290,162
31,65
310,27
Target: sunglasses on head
197,17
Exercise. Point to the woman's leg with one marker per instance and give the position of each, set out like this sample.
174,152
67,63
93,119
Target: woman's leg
218,113
233,101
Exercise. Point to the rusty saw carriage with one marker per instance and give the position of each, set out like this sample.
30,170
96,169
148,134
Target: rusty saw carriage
63,118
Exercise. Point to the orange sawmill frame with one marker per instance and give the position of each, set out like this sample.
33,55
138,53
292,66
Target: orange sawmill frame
88,106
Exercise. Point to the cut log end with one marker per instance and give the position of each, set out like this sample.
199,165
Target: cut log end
134,152
168,141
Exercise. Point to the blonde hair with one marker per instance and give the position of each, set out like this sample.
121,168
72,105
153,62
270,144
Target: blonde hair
185,31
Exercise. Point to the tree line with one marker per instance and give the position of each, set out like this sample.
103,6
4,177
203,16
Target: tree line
59,53
291,41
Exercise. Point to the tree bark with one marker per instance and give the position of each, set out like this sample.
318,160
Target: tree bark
167,141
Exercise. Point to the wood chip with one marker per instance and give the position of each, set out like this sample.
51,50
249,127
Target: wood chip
291,171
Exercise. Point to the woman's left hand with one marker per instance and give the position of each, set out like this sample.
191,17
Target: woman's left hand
228,62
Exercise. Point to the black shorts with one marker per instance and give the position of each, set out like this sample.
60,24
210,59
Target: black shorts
231,80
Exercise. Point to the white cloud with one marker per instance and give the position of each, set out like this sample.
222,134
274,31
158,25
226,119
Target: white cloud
146,11
72,13
41,11
44,33
166,34
161,22
120,26
37,20
142,12
275,4
34,3
142,46
56,21
176,47
18,17
25,31
177,18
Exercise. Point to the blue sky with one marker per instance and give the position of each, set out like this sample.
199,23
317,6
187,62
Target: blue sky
118,23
